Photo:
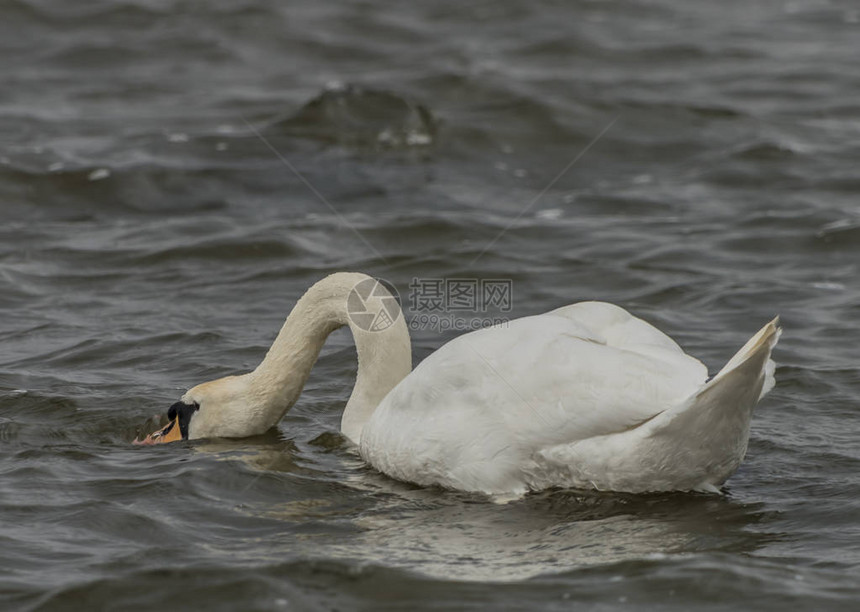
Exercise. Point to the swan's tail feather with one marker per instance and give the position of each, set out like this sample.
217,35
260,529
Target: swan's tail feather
759,346
714,423
747,376
766,335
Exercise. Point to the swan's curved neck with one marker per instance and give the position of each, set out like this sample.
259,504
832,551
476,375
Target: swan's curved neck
384,355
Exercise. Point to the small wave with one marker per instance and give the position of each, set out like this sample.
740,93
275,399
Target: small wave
358,116
767,151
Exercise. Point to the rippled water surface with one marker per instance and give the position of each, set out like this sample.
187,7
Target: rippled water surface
154,233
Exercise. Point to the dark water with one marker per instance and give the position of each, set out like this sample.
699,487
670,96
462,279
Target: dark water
154,236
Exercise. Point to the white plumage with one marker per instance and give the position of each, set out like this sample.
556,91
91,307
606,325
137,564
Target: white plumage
585,396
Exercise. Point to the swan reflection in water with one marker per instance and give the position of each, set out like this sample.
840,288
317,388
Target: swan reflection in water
362,516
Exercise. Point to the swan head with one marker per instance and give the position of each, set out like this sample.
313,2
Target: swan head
178,421
220,408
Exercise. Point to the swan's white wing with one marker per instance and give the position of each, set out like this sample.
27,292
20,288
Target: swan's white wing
478,408
620,329
584,370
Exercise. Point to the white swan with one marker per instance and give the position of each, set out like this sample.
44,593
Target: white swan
585,396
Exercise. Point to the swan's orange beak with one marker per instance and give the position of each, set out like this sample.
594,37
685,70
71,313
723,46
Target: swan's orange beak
170,433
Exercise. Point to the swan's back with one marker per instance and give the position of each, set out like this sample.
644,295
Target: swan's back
476,414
